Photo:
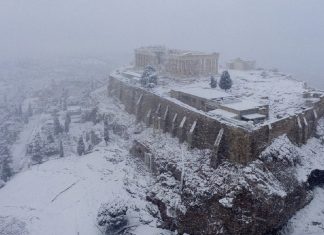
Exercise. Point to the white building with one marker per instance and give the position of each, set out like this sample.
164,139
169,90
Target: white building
239,64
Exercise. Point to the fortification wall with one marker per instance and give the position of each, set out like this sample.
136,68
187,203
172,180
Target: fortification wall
201,131
299,128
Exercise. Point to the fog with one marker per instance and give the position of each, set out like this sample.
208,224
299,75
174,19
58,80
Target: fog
287,35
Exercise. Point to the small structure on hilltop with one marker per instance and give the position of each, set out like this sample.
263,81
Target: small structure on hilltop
240,64
220,103
179,63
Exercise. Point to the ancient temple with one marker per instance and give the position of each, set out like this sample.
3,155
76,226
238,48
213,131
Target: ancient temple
178,63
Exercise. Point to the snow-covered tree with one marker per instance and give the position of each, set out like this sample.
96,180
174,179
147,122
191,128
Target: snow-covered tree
112,215
149,76
94,115
87,137
30,110
81,146
5,161
37,145
19,111
64,104
106,132
225,82
67,122
213,82
94,139
50,139
25,118
61,150
57,125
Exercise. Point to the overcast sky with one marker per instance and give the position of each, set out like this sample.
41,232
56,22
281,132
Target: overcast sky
287,34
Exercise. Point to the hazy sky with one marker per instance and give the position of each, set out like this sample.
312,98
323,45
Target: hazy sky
287,34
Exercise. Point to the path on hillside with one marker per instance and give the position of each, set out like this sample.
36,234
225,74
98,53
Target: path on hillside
18,150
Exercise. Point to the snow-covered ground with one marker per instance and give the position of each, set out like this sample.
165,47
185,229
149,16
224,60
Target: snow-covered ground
62,196
19,159
309,220
37,196
281,92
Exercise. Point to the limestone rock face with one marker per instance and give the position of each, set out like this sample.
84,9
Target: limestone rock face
255,199
246,213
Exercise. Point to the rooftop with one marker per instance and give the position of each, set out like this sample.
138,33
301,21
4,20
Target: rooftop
203,92
284,95
242,105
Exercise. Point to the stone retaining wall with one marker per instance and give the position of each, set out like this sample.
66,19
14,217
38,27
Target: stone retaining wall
236,144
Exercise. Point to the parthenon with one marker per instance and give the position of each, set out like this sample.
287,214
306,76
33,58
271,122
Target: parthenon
179,63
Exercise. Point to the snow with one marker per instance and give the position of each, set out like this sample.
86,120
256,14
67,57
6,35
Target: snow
309,220
226,202
242,105
63,195
19,158
253,116
281,92
223,113
203,91
33,196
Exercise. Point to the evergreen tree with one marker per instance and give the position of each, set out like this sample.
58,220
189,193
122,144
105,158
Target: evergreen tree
213,82
112,215
37,155
149,76
19,111
57,125
225,82
25,118
6,160
50,139
61,150
30,111
87,137
67,122
81,146
64,104
93,116
106,132
94,139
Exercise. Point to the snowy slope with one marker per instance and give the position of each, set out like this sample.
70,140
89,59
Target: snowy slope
309,220
19,158
62,196
34,196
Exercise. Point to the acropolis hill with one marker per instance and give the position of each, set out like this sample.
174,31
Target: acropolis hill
237,124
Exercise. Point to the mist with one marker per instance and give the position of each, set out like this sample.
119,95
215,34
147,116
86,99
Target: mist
283,34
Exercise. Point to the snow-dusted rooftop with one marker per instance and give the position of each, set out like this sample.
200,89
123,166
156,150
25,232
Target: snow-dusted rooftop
283,94
242,105
204,92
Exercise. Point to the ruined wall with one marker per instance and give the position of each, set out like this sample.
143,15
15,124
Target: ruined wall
201,131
